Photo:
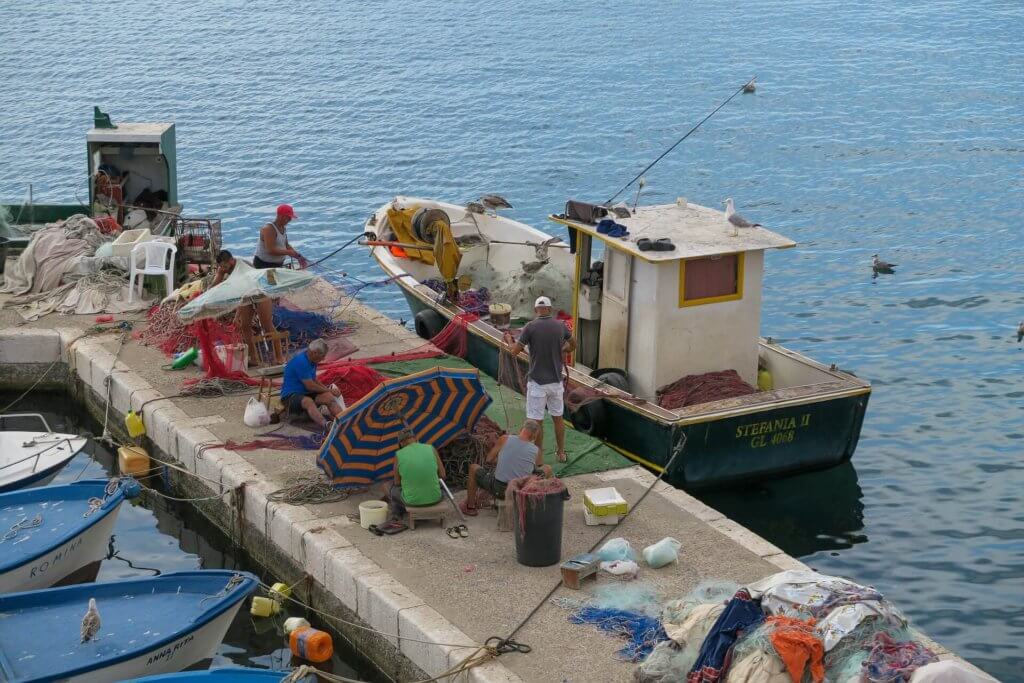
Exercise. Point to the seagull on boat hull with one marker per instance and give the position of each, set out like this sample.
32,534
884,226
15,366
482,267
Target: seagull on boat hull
475,207
735,219
90,622
880,266
495,202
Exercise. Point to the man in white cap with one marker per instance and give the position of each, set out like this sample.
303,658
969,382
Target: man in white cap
548,340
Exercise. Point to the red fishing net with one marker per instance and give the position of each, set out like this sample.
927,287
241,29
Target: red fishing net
532,490
208,334
454,338
710,386
354,380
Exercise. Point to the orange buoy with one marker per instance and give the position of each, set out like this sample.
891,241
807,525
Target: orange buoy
312,644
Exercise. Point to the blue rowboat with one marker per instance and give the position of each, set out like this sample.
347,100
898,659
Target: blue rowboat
49,533
146,626
225,675
34,458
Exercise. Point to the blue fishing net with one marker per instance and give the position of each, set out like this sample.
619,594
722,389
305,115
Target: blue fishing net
640,632
304,326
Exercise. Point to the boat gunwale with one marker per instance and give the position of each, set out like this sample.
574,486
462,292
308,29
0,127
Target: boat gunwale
708,412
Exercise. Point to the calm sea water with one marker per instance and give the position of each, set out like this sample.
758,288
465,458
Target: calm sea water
154,536
894,127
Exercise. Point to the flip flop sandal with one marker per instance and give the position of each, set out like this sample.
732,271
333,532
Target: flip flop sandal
457,531
663,244
644,244
375,530
562,457
392,528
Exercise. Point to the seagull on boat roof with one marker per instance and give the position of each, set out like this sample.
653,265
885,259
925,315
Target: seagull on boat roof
495,202
737,220
880,266
475,207
90,622
750,87
1020,331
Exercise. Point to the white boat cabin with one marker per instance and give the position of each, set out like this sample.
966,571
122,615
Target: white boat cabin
660,315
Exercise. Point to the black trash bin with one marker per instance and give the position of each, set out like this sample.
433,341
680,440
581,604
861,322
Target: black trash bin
537,519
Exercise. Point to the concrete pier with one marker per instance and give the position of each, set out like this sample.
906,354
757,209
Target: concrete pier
429,599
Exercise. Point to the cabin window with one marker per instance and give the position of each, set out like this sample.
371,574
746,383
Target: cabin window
710,279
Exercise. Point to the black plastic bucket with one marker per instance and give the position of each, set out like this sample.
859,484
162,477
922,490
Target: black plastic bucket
538,526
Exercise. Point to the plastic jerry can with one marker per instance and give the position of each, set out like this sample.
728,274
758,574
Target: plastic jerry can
312,644
134,424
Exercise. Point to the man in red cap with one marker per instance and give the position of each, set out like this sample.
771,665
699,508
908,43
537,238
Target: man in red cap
273,247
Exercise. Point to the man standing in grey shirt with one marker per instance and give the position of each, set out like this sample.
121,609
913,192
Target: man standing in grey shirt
548,340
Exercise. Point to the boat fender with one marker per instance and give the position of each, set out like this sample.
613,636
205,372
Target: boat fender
429,323
131,488
613,377
589,418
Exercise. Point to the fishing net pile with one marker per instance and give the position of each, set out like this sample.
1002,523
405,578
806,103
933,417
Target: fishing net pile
795,626
469,449
520,287
710,386
472,300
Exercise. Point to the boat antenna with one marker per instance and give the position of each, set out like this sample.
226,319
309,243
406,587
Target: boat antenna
677,142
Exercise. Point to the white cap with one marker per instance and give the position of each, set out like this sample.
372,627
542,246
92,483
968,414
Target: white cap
542,301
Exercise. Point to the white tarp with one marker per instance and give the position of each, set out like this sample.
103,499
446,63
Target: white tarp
244,285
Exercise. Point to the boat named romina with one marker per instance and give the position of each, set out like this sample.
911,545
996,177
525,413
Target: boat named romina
670,360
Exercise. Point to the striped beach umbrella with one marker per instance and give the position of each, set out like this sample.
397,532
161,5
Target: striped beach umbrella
436,404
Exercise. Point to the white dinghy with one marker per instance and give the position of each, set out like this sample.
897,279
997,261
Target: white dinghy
34,458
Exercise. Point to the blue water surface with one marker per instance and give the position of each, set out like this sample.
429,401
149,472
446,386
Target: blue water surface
894,127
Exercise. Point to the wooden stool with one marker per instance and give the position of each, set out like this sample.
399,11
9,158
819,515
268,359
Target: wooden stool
278,342
504,507
577,568
436,511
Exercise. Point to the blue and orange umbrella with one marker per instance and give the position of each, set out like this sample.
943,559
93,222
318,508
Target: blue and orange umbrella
436,404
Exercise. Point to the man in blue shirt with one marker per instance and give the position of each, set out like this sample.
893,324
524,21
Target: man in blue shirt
300,390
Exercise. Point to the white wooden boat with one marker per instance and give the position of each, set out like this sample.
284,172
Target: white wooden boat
643,319
34,458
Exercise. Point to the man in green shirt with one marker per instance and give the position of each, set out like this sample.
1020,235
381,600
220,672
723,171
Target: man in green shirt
418,469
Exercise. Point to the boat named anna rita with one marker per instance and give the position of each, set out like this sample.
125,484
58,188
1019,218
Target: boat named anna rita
665,304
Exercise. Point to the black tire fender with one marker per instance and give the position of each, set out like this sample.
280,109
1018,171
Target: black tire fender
429,323
590,418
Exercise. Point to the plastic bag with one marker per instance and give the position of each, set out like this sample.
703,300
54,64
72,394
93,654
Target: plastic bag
616,549
256,414
624,568
665,551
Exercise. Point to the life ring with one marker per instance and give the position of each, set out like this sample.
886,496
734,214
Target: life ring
429,323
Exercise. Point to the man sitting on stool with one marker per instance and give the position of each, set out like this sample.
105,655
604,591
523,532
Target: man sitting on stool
511,457
300,390
418,471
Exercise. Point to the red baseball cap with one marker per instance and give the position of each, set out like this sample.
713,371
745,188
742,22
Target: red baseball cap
286,211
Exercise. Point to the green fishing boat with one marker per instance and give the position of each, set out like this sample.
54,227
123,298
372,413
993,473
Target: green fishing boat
651,324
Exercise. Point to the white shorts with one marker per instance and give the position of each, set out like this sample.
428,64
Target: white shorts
539,396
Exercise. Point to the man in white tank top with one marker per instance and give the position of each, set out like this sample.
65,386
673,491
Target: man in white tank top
273,247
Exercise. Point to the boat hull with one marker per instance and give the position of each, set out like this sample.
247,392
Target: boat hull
716,450
61,562
34,459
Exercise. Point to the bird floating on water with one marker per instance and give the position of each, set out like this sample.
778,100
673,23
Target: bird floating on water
750,87
880,266
1020,331
90,622
736,220
495,202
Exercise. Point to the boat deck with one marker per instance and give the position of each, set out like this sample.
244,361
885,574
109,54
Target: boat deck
420,584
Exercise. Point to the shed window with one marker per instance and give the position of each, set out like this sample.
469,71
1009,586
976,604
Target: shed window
710,279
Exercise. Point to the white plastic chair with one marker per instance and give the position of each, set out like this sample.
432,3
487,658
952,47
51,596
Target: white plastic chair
158,260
